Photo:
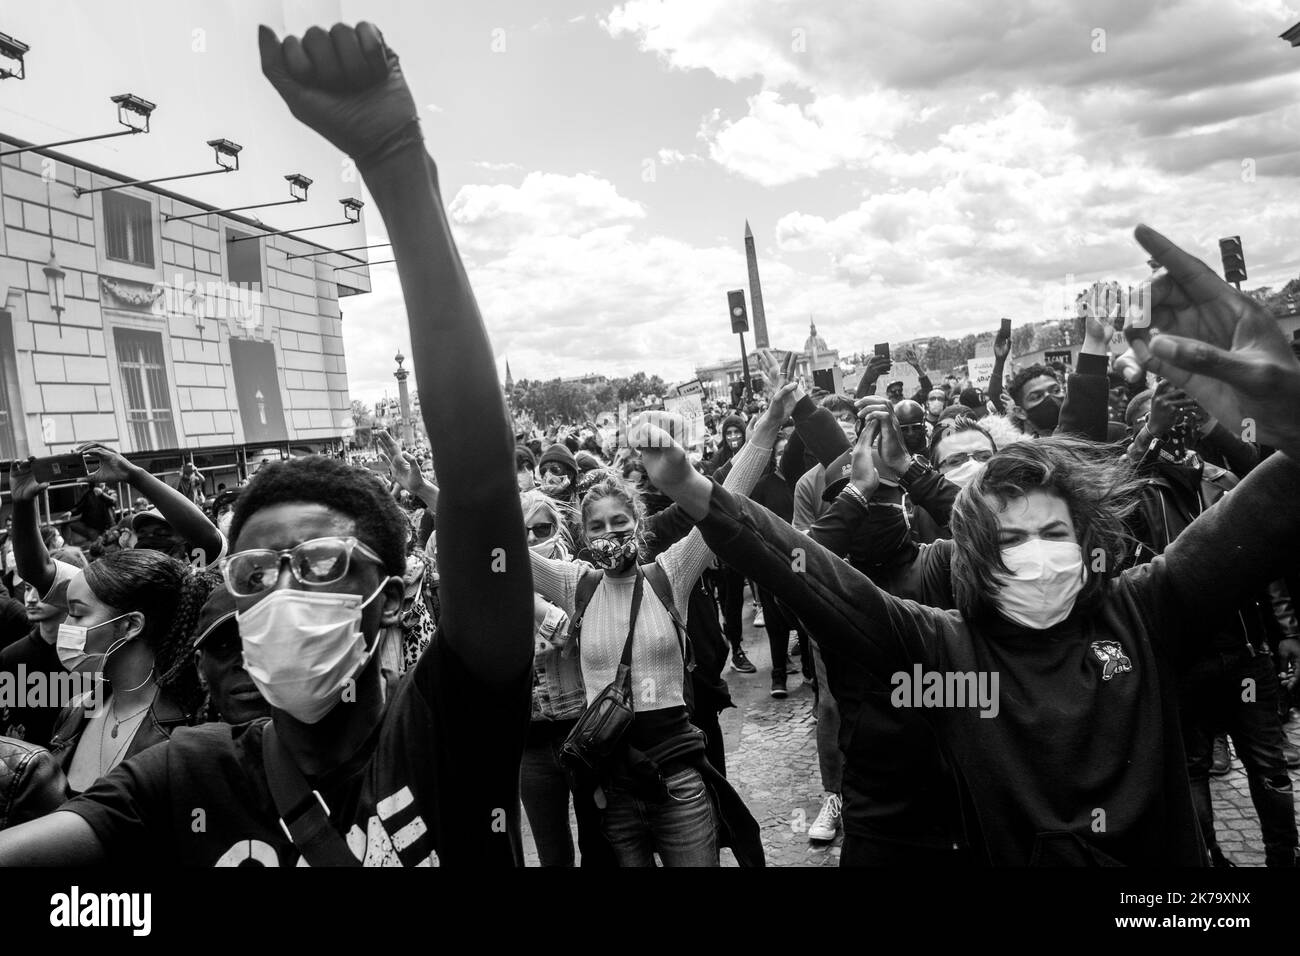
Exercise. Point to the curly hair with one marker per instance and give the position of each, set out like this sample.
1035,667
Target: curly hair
355,492
1099,490
170,595
1016,388
612,485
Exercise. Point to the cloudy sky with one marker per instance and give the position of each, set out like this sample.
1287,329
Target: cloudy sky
907,168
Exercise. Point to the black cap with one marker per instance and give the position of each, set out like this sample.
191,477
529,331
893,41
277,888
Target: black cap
218,609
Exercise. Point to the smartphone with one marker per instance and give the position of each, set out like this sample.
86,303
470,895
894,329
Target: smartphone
882,349
1005,332
57,468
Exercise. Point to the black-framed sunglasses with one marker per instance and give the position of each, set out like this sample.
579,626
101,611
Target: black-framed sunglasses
541,530
316,563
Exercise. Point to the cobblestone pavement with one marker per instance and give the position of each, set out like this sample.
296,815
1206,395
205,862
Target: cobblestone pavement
772,762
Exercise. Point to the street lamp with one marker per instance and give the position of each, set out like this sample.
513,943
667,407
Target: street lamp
132,113
298,184
12,49
226,155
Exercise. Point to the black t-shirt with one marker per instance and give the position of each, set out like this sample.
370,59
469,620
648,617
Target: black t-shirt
13,621
18,662
440,782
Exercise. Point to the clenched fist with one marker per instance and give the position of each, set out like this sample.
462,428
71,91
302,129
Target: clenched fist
346,85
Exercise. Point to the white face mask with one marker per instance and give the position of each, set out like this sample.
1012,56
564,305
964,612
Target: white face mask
965,473
1046,577
71,647
850,431
301,648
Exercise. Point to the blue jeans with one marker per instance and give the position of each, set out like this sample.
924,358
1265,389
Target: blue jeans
544,792
682,828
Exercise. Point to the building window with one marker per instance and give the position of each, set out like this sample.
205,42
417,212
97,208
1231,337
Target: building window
243,261
128,229
144,382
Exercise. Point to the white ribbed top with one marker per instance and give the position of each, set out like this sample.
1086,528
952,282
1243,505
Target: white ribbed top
658,675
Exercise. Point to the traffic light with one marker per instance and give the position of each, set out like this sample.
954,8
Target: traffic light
1234,261
736,305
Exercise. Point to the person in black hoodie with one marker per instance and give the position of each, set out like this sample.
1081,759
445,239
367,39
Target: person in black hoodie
731,585
1084,765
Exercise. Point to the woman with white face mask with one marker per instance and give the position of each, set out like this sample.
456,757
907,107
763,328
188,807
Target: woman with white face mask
672,811
126,634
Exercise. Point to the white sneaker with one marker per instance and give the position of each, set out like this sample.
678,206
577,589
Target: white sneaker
827,824
758,618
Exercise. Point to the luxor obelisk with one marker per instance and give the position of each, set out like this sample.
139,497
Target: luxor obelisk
755,292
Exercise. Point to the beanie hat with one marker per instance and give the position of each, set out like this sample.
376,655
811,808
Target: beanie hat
524,456
562,455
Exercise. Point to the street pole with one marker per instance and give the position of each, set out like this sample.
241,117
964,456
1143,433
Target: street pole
744,369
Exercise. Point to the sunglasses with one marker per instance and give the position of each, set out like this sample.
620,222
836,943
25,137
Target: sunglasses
315,563
541,530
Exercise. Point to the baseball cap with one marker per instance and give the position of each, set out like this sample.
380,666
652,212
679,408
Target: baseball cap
141,517
218,609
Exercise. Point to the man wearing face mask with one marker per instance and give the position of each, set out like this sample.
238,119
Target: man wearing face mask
1082,410
1029,537
347,772
935,402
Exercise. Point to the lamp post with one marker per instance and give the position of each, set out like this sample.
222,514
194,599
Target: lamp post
403,399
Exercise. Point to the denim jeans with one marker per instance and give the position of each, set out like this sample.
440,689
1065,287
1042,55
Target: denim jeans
1211,695
682,828
830,758
544,791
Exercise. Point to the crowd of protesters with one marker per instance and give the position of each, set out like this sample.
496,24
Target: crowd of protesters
349,666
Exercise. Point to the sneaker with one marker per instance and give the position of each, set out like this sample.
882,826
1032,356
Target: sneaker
827,824
778,685
1222,760
1291,754
758,618
740,662
794,649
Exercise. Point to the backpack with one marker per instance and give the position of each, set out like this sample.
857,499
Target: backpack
663,589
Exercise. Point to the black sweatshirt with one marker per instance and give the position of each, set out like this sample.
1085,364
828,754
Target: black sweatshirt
1084,762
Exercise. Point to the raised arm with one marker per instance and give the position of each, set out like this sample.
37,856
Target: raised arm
185,517
835,601
31,559
356,96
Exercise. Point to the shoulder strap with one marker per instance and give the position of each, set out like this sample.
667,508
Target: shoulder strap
303,815
587,584
663,590
637,590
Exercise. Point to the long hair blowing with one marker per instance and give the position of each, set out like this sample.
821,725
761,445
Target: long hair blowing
170,596
535,500
1099,490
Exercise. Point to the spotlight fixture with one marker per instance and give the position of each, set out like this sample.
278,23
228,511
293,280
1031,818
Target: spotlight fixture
351,209
227,159
298,184
132,112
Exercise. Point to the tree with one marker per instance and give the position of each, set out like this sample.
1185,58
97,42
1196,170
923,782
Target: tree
363,421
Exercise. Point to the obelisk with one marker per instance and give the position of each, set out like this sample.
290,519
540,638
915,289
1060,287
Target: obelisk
755,292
